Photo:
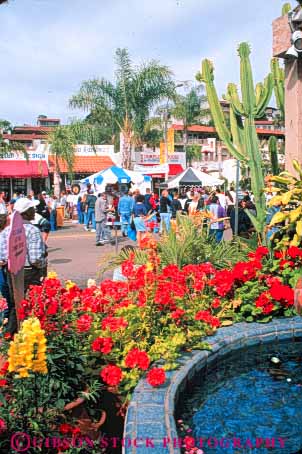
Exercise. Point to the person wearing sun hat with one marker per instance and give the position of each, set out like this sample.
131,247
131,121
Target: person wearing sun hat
36,252
35,264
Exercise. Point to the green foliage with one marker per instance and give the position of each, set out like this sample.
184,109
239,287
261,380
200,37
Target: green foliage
192,244
63,141
241,139
287,223
124,106
279,87
273,151
193,152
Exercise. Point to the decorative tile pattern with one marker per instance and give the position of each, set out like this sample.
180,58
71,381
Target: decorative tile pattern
150,415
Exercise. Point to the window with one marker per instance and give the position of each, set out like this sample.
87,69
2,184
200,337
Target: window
5,186
19,185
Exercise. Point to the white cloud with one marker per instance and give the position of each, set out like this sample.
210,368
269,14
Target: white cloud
48,47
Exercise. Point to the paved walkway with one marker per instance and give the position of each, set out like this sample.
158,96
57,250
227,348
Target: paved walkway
74,255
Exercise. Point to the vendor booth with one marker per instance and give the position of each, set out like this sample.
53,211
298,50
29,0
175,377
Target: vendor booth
118,179
192,177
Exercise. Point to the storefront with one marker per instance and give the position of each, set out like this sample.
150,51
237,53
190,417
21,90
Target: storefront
159,173
18,175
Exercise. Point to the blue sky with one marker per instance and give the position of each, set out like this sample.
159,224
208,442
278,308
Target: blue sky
48,47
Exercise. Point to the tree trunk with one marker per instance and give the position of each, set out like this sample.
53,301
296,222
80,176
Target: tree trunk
126,149
56,183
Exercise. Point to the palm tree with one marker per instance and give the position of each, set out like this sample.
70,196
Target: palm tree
191,109
192,153
124,106
62,140
8,146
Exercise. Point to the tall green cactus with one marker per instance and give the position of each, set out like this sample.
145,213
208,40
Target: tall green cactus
279,85
286,8
242,140
273,151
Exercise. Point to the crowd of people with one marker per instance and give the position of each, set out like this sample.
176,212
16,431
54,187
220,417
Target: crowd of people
145,212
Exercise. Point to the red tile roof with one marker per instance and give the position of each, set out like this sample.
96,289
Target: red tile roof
23,137
83,164
211,129
33,128
195,128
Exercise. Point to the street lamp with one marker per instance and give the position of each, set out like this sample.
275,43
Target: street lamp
295,23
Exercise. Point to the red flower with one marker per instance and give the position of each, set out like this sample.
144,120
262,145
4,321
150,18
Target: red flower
260,252
294,252
111,375
286,263
2,425
268,308
65,428
265,303
137,358
279,254
222,282
208,318
102,344
3,382
128,266
189,442
76,431
4,368
245,271
178,313
283,293
216,303
114,323
84,323
156,376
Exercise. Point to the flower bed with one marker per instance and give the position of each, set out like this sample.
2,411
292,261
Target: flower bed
112,334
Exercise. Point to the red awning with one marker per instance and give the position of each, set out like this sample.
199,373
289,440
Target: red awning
23,169
175,169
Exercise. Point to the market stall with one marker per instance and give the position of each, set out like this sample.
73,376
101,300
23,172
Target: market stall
192,177
116,176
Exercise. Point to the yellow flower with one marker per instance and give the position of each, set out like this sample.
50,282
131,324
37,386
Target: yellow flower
27,350
52,275
69,284
149,266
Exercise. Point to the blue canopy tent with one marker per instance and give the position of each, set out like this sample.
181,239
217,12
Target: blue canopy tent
114,175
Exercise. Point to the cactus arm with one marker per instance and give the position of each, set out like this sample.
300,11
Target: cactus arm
278,83
286,8
207,77
257,180
265,96
272,146
246,78
237,131
233,98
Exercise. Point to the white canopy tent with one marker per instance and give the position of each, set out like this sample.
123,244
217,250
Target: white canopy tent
193,177
114,175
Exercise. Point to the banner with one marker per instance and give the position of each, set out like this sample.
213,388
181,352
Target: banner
16,258
162,153
170,141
